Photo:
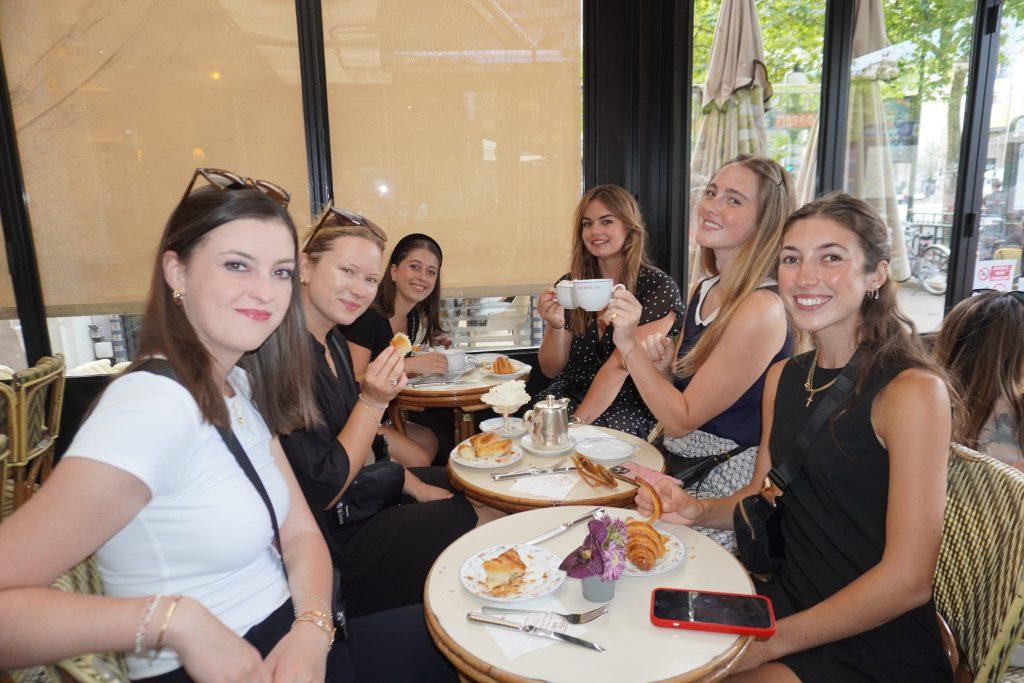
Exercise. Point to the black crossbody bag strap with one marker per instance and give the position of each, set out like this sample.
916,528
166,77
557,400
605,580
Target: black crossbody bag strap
787,471
159,366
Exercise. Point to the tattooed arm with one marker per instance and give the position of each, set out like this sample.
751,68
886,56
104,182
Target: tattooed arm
998,438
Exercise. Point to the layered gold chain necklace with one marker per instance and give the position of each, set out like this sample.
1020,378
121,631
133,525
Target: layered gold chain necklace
809,384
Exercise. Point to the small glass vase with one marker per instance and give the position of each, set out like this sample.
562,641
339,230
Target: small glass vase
596,590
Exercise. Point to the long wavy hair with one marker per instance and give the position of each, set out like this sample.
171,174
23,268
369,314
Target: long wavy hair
755,260
981,342
430,308
887,338
279,370
583,265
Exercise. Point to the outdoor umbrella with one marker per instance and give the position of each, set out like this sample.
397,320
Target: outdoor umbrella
869,166
736,94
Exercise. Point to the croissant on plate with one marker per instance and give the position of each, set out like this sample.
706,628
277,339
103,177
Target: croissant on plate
644,545
502,366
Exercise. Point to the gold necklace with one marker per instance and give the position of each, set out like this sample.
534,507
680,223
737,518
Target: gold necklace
236,411
809,384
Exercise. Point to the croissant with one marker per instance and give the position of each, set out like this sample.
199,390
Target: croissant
644,545
502,366
488,443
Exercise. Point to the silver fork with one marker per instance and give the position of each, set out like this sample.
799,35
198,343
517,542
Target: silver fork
582,618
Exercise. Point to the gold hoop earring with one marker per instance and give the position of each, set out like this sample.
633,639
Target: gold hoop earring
178,297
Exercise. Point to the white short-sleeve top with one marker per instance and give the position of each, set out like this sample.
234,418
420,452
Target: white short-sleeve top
205,532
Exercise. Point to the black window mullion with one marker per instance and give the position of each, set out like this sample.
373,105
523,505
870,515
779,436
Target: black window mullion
21,252
973,149
313,75
835,96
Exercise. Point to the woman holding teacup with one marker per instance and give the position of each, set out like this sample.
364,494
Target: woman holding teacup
608,252
735,329
408,301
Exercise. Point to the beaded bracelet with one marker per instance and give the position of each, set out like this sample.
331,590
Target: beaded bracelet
315,598
140,632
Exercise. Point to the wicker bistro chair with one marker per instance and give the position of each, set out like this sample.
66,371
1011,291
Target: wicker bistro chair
38,394
104,668
979,581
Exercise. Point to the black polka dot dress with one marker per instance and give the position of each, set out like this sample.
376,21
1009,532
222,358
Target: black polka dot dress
659,294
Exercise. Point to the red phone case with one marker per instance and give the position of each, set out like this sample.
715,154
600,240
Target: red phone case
715,628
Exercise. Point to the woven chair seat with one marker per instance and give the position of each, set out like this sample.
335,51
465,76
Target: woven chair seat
1014,674
979,581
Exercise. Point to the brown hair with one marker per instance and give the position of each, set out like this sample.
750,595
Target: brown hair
887,338
429,308
756,259
583,265
279,370
981,343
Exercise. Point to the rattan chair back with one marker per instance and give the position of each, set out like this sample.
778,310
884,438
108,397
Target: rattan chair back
979,581
39,397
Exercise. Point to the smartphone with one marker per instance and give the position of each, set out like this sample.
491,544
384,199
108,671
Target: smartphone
749,615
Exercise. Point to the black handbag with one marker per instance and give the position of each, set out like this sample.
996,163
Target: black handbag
693,471
163,368
757,519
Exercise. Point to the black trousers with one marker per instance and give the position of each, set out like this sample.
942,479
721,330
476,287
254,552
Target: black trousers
391,646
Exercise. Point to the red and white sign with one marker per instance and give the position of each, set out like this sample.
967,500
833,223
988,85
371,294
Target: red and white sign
994,274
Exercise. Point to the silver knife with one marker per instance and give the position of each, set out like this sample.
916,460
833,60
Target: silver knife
532,472
532,630
562,527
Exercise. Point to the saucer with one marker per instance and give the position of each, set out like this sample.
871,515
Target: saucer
496,425
527,444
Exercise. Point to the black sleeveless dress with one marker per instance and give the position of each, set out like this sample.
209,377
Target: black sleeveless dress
834,527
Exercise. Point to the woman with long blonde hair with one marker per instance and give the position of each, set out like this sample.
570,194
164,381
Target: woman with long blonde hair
609,241
735,328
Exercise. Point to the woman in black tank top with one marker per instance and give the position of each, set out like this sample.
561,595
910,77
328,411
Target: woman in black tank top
862,519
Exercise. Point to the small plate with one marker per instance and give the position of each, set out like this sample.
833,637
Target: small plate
488,463
488,358
527,443
496,425
605,449
542,577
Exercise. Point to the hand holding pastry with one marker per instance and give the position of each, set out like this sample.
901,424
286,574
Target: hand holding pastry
384,377
550,310
677,506
655,500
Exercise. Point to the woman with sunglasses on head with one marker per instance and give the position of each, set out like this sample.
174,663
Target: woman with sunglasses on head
709,400
861,519
981,344
383,560
177,483
609,242
408,301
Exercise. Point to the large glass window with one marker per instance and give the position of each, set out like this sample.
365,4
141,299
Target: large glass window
114,108
1001,237
907,87
773,111
462,121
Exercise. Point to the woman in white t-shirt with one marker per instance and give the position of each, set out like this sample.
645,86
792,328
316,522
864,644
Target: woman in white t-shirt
195,588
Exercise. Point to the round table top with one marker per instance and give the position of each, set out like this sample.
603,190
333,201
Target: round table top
472,383
503,495
636,649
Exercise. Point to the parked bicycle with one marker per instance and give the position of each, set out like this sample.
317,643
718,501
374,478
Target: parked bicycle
929,261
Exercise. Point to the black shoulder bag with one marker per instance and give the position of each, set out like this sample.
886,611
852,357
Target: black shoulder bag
757,518
163,368
693,471
376,486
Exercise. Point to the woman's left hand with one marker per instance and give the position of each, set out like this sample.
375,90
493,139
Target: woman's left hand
623,314
301,655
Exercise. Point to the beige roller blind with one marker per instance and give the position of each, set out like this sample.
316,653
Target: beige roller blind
461,119
7,304
115,103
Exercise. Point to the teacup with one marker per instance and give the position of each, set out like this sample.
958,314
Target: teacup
456,360
593,295
565,293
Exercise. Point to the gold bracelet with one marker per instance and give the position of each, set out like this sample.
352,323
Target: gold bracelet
624,356
319,619
373,404
167,620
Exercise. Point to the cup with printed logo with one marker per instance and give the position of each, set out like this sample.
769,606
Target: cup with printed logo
565,293
594,295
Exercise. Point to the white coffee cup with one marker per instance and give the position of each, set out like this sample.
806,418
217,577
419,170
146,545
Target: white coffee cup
456,359
593,295
565,293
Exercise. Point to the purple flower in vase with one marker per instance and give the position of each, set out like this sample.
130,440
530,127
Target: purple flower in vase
602,554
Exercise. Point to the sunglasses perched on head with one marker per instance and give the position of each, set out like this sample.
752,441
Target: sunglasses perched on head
1018,295
344,218
226,180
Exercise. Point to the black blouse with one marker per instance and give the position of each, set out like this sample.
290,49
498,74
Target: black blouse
319,460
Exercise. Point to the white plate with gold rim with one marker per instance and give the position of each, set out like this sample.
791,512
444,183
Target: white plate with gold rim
541,577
